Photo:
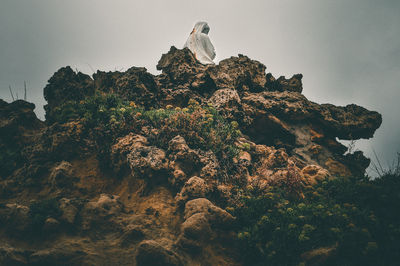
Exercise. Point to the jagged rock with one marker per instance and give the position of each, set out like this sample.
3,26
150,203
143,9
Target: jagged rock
18,125
357,162
245,156
267,159
143,161
66,85
147,161
287,141
240,73
177,144
293,84
225,98
18,117
62,175
123,147
150,252
183,160
195,187
210,166
136,84
349,122
181,66
187,162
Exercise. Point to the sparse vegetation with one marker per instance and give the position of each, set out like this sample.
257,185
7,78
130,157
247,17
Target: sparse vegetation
109,117
357,218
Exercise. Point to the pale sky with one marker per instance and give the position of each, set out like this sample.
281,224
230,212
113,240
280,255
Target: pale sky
348,51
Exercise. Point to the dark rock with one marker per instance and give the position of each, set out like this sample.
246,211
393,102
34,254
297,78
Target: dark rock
215,215
136,84
51,225
240,73
13,256
99,212
15,217
287,141
122,148
131,234
196,227
152,253
69,210
195,187
62,175
350,122
66,85
57,256
293,84
18,126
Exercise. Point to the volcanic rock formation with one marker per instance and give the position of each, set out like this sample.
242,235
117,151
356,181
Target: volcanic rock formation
160,203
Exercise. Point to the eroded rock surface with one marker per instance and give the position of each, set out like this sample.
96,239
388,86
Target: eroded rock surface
82,197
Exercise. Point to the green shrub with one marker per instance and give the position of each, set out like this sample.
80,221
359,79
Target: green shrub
108,117
358,217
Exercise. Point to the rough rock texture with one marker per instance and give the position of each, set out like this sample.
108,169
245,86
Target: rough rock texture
66,85
18,128
61,204
135,84
150,252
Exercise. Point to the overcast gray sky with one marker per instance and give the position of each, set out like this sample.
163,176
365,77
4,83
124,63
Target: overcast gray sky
348,51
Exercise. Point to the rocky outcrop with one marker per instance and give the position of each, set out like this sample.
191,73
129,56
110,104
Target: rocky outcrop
18,128
136,84
66,85
271,111
119,194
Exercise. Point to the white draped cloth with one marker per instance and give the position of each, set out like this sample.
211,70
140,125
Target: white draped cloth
200,44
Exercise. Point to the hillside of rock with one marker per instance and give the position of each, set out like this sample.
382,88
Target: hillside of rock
130,168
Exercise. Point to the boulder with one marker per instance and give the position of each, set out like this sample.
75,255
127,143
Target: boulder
195,187
215,215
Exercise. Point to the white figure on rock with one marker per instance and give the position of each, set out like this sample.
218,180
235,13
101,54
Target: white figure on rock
200,45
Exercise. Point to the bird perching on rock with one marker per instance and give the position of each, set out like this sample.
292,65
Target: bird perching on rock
200,44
